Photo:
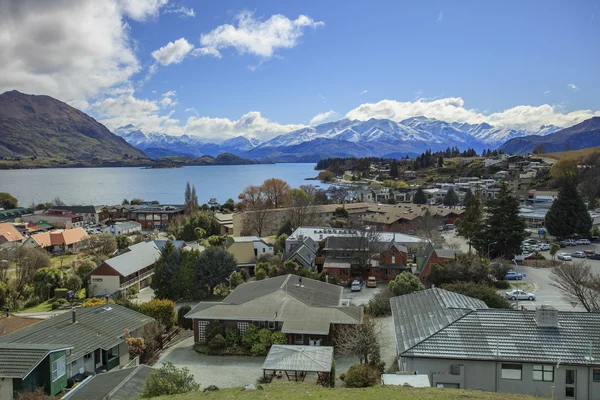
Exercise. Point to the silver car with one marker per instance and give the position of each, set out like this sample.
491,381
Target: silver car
564,256
519,295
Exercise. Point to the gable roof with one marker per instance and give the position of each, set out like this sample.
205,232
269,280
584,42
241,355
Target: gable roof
96,327
9,232
59,237
138,256
18,360
14,323
447,253
421,314
284,357
305,254
121,384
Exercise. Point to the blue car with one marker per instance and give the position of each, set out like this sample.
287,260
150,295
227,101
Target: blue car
513,276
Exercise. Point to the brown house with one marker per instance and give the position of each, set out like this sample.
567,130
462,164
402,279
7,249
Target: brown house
159,217
429,256
407,217
392,262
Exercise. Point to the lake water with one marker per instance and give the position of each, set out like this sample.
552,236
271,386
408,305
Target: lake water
112,185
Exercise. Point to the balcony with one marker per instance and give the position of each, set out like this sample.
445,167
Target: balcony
136,279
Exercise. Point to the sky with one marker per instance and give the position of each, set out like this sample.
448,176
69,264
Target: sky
224,68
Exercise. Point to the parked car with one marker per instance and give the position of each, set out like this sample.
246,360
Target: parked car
544,246
531,256
526,249
519,295
595,256
513,276
571,242
564,256
578,254
530,241
562,244
356,286
371,281
583,241
589,252
595,239
535,247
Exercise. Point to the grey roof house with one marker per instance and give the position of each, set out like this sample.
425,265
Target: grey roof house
303,252
122,384
94,335
459,342
302,308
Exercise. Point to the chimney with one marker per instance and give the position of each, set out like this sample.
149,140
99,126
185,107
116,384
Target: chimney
106,298
6,311
546,316
73,315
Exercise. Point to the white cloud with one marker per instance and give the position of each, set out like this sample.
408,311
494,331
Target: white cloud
206,51
364,91
547,92
140,10
173,52
261,38
170,93
183,12
440,17
452,110
317,119
572,86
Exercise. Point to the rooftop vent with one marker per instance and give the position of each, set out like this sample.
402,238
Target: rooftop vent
546,316
73,315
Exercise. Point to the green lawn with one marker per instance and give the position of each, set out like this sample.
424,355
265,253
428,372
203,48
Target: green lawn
296,391
66,260
42,307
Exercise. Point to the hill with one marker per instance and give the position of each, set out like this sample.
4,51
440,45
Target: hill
297,391
42,127
221,159
576,154
581,136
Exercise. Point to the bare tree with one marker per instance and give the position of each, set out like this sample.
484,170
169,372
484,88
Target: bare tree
258,217
302,209
187,205
102,245
578,284
428,227
363,244
58,202
275,191
360,340
339,194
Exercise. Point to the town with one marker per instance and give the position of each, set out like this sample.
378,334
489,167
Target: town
403,279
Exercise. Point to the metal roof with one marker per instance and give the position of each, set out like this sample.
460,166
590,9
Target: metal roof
96,327
421,314
447,253
120,384
138,257
420,380
17,360
299,358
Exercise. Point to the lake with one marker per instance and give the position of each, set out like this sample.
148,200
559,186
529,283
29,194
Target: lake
111,185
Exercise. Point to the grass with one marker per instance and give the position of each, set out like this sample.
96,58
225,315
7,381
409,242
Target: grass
66,260
42,307
524,286
296,391
577,154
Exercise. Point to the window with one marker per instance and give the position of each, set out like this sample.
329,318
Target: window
570,377
242,326
394,259
264,249
570,392
512,371
596,373
202,331
87,356
271,325
544,373
375,270
59,368
344,272
298,338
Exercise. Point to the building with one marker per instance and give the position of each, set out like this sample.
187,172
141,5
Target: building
123,384
70,240
301,251
134,267
407,217
11,214
225,223
10,323
428,256
123,228
320,233
302,308
461,343
94,335
9,235
320,215
156,218
90,214
61,219
248,249
117,213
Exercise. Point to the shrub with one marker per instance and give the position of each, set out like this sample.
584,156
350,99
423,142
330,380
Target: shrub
250,336
162,311
379,305
217,342
169,380
279,337
62,301
332,374
55,305
264,337
96,301
479,291
132,291
232,337
260,274
361,375
213,329
74,283
181,321
501,285
259,349
342,376
405,283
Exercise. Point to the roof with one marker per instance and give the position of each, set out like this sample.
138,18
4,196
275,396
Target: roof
178,244
138,256
10,233
122,384
387,214
491,335
59,237
447,253
283,357
416,380
421,314
304,252
159,209
77,209
96,327
318,233
14,323
307,308
18,360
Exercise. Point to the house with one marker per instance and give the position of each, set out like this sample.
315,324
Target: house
71,240
302,308
28,367
429,255
247,249
90,214
40,226
10,323
407,217
460,343
94,335
123,228
134,267
392,261
123,384
156,218
302,252
225,222
117,213
58,218
11,214
9,235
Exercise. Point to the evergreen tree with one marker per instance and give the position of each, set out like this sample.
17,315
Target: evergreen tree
470,225
394,169
505,228
468,195
187,205
166,266
420,197
568,214
451,198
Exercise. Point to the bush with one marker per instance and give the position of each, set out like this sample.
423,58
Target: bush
55,305
232,337
169,380
60,293
181,321
162,311
260,274
405,283
259,349
217,342
213,329
279,337
250,337
379,305
74,283
96,301
501,285
480,291
132,291
62,301
264,337
332,374
361,375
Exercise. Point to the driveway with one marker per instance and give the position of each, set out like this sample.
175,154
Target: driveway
362,297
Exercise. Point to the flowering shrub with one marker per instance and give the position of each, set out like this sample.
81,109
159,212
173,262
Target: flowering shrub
135,346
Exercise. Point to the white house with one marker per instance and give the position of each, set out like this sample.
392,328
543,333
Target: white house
123,228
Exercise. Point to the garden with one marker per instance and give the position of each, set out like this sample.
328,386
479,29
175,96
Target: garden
230,341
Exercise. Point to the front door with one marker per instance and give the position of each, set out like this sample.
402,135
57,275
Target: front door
570,384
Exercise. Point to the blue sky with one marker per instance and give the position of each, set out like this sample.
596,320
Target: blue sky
506,62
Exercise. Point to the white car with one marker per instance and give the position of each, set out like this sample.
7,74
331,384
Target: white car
535,247
579,254
544,247
519,295
356,286
564,256
583,241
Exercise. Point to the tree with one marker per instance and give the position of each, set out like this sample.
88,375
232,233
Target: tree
276,191
136,201
169,380
481,291
470,225
361,340
361,376
326,176
46,280
58,202
539,149
162,310
338,194
165,268
302,211
554,248
405,283
7,201
123,242
125,202
451,198
468,195
578,283
28,261
190,205
427,227
420,197
213,266
200,233
505,228
568,214
364,243
104,244
464,268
